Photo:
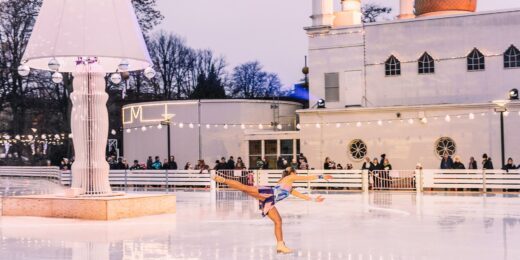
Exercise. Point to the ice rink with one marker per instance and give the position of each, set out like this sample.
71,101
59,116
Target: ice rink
227,225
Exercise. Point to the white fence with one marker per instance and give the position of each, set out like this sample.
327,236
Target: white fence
420,180
482,180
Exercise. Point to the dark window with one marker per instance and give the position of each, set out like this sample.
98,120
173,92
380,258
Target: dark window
255,152
392,66
426,64
332,87
476,61
512,58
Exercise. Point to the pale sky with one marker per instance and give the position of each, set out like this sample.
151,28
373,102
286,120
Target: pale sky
270,31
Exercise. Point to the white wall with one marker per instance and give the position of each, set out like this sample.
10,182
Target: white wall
406,144
215,141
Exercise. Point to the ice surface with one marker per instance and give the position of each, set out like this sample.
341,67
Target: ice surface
353,226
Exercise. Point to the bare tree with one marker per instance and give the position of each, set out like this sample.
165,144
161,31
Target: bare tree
372,12
250,81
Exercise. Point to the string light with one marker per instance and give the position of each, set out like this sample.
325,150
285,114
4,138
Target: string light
424,120
243,126
191,125
471,116
410,121
380,123
208,126
143,128
318,125
181,125
279,127
358,124
338,125
159,126
447,118
128,130
506,113
225,126
298,126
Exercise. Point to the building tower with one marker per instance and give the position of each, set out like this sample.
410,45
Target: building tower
322,13
444,7
350,13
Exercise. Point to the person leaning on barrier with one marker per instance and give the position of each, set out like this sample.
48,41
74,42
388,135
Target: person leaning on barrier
136,166
446,162
457,165
240,164
509,165
487,164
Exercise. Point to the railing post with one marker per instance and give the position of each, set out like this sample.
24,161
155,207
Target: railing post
364,181
126,180
309,184
484,180
419,181
167,182
212,183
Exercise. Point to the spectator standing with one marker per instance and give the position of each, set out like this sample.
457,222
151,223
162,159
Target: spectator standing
472,163
303,164
136,166
217,165
188,166
295,164
231,163
157,165
120,165
374,166
240,164
172,165
201,165
280,163
149,162
223,164
266,164
327,164
165,164
259,163
509,165
385,174
487,164
367,164
446,162
457,164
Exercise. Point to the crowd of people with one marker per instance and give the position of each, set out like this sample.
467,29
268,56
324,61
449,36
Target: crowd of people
455,163
299,163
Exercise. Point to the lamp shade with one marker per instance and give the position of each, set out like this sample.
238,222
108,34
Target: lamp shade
105,29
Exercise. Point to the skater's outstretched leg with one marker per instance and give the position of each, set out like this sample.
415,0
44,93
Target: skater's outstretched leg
251,190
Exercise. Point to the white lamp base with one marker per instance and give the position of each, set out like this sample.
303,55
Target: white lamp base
89,123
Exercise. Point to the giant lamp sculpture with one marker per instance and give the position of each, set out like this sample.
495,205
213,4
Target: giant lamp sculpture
88,38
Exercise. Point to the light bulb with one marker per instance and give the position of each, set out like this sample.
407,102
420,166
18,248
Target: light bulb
242,126
191,125
113,132
181,125
57,77
279,127
298,126
24,70
123,65
149,73
380,123
358,124
54,64
143,128
447,118
471,116
128,131
260,126
116,78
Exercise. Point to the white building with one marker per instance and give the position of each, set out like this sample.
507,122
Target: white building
411,72
412,88
210,129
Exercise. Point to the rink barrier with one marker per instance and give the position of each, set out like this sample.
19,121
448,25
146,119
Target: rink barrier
393,180
483,180
427,179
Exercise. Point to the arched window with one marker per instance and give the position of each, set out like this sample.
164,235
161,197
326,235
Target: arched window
392,66
476,60
426,64
512,58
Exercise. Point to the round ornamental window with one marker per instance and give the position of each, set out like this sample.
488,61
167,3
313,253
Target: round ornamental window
357,149
445,145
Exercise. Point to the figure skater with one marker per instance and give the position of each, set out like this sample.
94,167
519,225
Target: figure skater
269,196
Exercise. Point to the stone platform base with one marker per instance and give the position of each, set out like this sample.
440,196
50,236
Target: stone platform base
101,208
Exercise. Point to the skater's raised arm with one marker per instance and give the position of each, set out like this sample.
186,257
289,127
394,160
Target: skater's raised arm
305,197
296,177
